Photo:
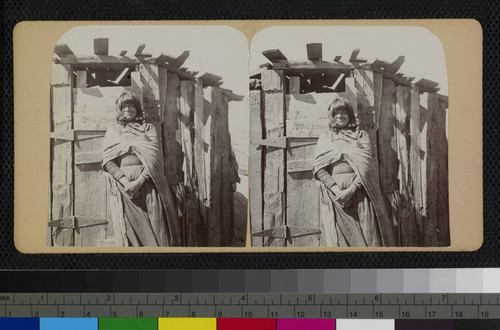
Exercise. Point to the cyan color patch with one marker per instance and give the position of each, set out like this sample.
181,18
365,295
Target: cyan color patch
69,323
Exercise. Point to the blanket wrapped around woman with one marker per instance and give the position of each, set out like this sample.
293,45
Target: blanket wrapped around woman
366,221
149,218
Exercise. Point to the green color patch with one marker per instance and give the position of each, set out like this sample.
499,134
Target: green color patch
128,323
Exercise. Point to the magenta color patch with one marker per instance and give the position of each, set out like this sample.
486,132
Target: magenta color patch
306,324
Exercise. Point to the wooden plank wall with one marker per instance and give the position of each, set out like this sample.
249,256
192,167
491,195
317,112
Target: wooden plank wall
255,168
191,207
62,151
273,82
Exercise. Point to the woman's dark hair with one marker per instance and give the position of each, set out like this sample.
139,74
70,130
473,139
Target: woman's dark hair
336,106
129,98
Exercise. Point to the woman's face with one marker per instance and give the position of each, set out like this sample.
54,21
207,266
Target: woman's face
129,112
341,119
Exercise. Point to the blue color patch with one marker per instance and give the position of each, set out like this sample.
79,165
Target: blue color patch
69,324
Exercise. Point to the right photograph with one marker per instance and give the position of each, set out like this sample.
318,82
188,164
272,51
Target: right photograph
348,137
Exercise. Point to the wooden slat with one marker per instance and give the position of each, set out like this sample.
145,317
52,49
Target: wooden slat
172,145
210,79
123,53
187,129
90,190
200,145
88,157
430,103
227,211
274,55
62,50
307,114
378,80
388,161
101,46
191,205
354,57
302,193
94,120
81,79
162,61
294,85
139,50
337,58
314,51
274,174
443,213
179,61
416,154
213,98
427,86
408,227
231,96
292,66
90,60
99,99
62,153
255,166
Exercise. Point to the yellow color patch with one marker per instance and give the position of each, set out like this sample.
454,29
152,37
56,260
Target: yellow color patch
187,323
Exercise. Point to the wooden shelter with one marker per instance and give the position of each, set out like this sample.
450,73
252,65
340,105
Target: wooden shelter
190,112
406,121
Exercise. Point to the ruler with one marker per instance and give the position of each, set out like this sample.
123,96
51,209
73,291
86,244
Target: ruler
253,305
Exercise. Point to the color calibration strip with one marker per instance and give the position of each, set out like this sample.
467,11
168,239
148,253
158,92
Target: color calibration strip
239,324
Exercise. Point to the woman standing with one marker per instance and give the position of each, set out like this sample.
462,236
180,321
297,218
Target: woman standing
142,205
352,211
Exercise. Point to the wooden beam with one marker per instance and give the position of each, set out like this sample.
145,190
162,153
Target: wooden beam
314,51
274,55
101,46
163,60
354,57
139,50
294,86
398,79
428,86
210,79
311,66
97,59
179,61
231,96
62,50
337,59
123,52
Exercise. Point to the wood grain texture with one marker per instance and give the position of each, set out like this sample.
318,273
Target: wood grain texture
430,102
302,193
200,147
408,227
255,169
213,163
443,211
99,99
387,153
62,161
274,158
172,144
416,156
227,212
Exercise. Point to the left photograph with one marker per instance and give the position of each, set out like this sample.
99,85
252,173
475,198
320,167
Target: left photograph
149,136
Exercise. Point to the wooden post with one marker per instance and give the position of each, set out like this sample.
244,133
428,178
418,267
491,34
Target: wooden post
274,174
443,212
430,104
191,205
212,107
200,147
81,79
408,228
416,155
151,92
171,132
226,216
294,85
255,166
62,165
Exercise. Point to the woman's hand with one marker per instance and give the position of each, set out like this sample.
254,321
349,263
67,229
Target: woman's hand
345,195
133,187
